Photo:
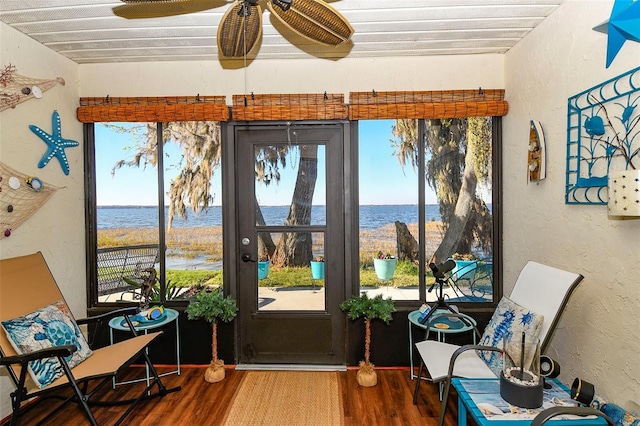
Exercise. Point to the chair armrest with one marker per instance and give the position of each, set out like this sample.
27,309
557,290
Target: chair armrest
99,320
56,351
549,413
452,362
465,348
108,315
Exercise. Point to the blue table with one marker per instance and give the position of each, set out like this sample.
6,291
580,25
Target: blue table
486,393
171,315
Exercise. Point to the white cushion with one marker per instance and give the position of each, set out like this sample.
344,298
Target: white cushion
436,356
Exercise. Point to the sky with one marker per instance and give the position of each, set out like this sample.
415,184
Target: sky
382,180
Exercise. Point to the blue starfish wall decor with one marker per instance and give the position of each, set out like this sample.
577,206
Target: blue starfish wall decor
623,25
55,142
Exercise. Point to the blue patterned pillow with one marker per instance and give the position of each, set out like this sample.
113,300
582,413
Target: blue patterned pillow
619,415
47,327
509,320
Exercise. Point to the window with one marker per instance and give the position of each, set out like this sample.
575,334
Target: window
425,194
407,223
147,227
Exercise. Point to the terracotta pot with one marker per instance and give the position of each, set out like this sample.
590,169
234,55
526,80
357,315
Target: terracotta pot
215,372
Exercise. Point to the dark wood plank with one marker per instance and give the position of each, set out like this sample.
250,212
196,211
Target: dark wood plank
390,402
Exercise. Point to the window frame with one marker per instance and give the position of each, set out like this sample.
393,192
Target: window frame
351,213
91,219
496,198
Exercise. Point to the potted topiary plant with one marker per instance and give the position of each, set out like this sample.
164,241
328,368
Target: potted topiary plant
213,306
363,306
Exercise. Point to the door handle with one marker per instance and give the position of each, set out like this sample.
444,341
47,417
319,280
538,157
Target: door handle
247,258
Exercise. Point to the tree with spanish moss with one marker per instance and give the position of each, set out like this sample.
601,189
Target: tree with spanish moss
200,145
458,157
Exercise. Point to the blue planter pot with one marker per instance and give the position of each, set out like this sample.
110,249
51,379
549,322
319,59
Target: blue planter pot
464,268
385,268
317,270
263,270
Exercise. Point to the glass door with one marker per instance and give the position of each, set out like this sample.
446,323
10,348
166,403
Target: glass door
290,248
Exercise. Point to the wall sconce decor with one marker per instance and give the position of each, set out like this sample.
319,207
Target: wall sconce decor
536,157
624,193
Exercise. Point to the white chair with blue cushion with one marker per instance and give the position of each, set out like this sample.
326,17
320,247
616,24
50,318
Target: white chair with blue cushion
534,307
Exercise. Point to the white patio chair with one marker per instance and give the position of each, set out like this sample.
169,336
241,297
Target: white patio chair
541,289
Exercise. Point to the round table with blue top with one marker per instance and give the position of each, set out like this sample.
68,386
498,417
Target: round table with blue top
170,315
442,325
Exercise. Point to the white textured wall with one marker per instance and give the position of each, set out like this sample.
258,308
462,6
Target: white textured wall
57,228
293,76
599,336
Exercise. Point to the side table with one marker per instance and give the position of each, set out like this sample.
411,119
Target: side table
447,327
171,315
481,399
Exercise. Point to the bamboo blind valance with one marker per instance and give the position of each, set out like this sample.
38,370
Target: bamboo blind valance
289,107
157,109
263,107
432,104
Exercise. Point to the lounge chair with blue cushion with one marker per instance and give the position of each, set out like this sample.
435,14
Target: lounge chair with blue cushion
45,352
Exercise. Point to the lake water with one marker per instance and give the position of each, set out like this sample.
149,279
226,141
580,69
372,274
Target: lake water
147,217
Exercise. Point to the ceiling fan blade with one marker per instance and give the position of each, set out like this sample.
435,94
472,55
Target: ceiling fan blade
142,9
153,1
240,30
314,20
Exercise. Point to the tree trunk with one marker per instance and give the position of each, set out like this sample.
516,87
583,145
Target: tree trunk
367,340
406,243
215,372
266,246
214,342
366,375
461,212
295,248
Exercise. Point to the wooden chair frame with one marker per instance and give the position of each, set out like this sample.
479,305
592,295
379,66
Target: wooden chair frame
26,284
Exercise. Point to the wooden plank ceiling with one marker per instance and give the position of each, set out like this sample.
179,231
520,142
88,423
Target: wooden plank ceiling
102,31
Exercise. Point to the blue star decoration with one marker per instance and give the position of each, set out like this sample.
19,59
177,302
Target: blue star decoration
55,143
623,25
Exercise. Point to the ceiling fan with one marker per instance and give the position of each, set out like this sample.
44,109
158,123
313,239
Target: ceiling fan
240,29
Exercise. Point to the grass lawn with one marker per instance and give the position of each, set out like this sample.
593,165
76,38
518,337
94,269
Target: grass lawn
206,242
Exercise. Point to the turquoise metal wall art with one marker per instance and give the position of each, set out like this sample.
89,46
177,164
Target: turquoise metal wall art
623,25
603,134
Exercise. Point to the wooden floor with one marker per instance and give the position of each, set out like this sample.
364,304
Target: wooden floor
201,403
